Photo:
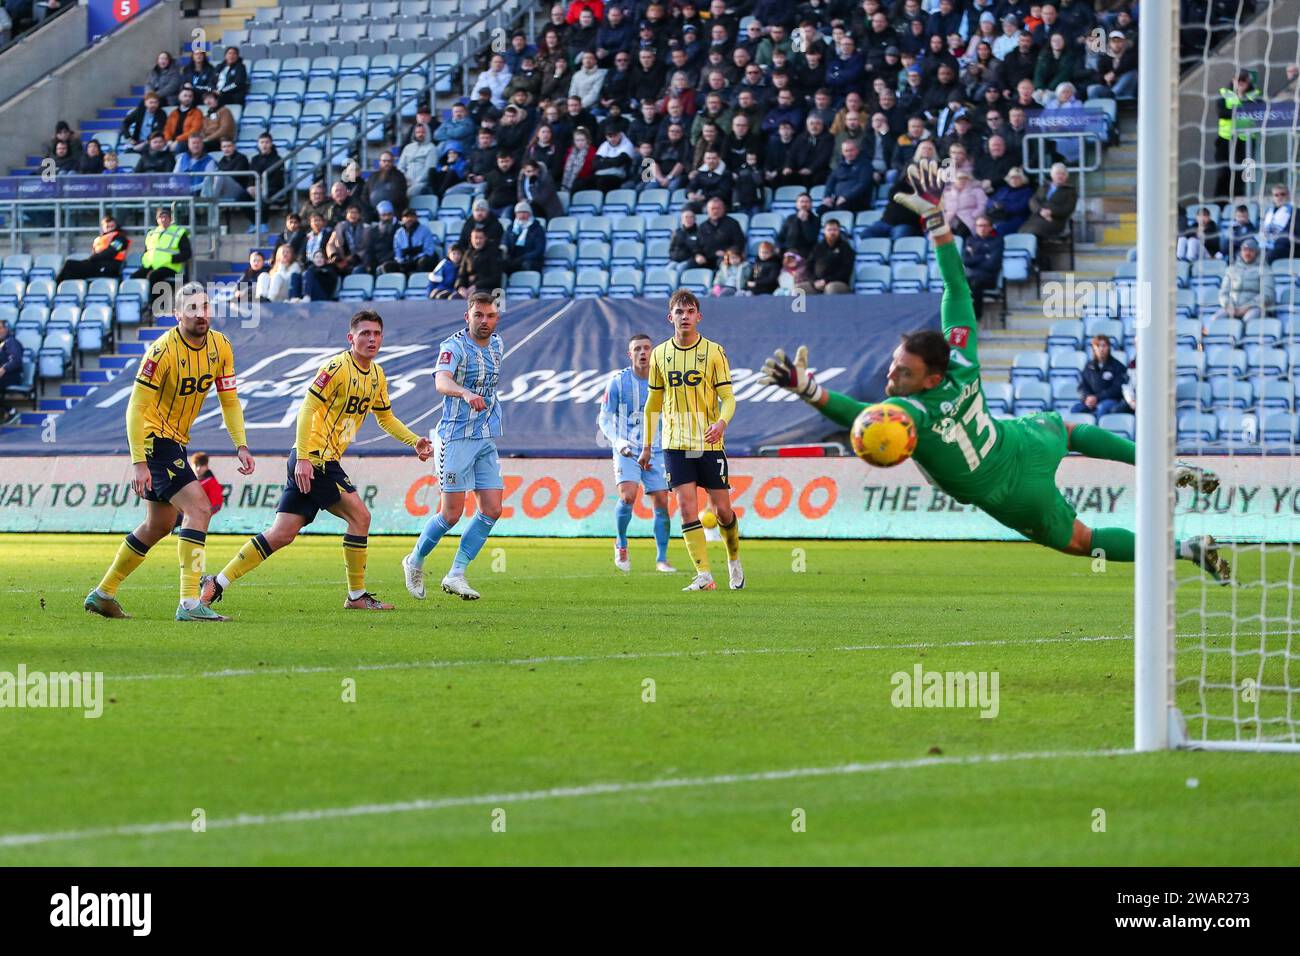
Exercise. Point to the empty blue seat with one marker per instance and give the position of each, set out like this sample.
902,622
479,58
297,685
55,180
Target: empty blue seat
696,280
1198,427
1238,427
1032,396
595,227
652,202
1065,333
557,283
562,228
998,396
1193,396
1275,395
388,287
1278,428
587,202
561,255
660,281
628,253
1029,366
1225,361
1228,393
628,227
1065,365
909,277
873,251
625,283
1120,423
1223,332
909,249
591,283
524,285
872,279
356,287
656,253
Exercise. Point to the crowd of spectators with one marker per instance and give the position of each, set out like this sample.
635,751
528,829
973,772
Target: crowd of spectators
625,95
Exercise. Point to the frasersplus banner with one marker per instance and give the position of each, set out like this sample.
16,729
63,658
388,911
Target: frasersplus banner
575,497
559,356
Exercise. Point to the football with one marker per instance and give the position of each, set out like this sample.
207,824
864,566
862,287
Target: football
883,435
708,519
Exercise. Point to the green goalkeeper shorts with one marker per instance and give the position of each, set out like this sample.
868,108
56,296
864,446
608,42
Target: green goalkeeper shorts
1032,505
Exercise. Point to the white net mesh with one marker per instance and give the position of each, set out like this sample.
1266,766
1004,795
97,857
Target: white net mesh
1236,676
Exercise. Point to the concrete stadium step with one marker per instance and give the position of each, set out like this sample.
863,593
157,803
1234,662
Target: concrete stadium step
125,356
77,390
117,113
151,335
36,419
132,349
54,404
99,376
130,102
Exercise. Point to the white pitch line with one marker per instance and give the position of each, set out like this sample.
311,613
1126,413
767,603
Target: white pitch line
531,796
591,658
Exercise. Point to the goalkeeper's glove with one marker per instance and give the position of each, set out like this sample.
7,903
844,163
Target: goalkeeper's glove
792,376
926,178
626,448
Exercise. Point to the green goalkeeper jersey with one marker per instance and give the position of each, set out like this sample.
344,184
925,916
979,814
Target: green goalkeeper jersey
959,446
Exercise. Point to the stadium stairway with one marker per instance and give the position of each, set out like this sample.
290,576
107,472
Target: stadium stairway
1109,220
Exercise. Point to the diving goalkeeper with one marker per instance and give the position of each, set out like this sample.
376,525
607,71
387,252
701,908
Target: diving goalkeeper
1006,468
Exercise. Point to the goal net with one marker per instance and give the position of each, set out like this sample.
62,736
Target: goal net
1218,340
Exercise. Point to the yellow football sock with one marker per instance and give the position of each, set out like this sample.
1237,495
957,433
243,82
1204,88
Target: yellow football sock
253,553
696,546
130,555
354,556
731,535
190,546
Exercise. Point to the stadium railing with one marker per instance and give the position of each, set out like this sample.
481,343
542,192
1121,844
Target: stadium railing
61,209
463,42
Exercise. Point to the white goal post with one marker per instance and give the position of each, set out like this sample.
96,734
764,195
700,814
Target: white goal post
1229,656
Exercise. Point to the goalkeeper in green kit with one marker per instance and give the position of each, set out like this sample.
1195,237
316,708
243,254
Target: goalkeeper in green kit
1006,468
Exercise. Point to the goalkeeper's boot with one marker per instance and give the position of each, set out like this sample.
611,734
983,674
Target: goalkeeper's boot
1203,480
621,560
664,567
414,578
200,612
735,574
103,605
703,582
1205,552
210,590
367,602
457,585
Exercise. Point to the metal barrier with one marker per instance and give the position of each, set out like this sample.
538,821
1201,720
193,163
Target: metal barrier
464,41
1040,143
68,207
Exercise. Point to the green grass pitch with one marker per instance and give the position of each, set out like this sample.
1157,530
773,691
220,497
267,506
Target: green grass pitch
516,729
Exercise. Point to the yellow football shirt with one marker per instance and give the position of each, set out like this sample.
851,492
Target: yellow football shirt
344,395
174,379
694,385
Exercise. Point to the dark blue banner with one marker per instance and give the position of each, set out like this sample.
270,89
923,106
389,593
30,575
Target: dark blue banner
1068,121
559,356
148,185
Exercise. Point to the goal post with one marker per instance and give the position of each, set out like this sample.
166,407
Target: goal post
1217,668
1157,209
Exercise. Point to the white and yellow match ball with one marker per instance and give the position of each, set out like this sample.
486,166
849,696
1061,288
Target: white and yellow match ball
708,519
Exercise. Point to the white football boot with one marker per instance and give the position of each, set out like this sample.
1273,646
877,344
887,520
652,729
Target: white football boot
665,567
414,579
735,574
621,560
703,582
457,585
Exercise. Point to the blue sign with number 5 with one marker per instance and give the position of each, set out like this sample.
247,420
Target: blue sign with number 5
105,16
